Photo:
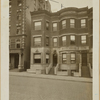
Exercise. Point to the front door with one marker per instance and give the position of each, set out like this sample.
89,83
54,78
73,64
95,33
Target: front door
54,59
84,59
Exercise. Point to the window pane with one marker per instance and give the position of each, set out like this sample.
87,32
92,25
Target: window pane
63,22
72,38
64,56
37,25
83,21
47,25
55,42
55,39
63,38
37,58
54,26
37,41
72,21
47,41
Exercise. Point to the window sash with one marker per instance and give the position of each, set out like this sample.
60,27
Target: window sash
83,39
64,58
63,24
37,41
54,26
83,23
73,56
37,25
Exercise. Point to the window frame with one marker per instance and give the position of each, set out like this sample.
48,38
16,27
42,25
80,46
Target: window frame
54,28
47,41
40,26
47,27
73,61
63,25
72,40
64,59
55,42
64,44
84,39
18,43
72,25
35,44
83,24
35,58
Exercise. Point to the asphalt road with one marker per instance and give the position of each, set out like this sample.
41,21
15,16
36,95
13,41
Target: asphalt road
28,88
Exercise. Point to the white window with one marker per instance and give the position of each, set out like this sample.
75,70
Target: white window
72,23
64,58
72,39
54,26
83,39
37,25
64,40
63,24
83,23
55,41
37,41
72,57
37,58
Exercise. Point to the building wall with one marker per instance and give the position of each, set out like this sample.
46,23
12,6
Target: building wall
78,48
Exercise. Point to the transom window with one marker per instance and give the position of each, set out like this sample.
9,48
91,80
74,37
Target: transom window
63,24
64,40
47,25
47,58
83,23
72,57
55,41
37,41
72,39
37,25
83,39
54,26
18,43
64,58
37,58
72,23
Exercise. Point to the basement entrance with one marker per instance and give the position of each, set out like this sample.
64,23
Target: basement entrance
84,59
54,59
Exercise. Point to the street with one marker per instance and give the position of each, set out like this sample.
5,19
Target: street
28,88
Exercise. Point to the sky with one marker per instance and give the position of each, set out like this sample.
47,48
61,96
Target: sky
70,3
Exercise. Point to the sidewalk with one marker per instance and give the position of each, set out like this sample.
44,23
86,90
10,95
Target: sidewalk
54,77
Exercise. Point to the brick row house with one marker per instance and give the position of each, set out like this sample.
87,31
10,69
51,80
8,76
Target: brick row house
61,42
20,31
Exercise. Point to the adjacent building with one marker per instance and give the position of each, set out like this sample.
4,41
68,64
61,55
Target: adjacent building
20,30
61,42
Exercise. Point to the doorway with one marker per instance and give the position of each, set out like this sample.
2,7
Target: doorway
14,60
54,60
84,59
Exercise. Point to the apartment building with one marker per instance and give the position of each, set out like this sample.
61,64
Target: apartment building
61,42
20,31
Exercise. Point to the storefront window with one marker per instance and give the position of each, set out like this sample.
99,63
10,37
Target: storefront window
72,57
64,58
37,58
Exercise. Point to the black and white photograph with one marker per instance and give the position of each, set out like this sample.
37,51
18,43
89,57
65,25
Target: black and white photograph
51,50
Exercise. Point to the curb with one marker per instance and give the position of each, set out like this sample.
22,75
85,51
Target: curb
53,77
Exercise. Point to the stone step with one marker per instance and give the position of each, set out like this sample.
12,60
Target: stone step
31,71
